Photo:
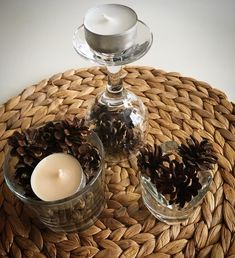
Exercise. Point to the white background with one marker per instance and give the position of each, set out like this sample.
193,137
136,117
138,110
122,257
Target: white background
195,38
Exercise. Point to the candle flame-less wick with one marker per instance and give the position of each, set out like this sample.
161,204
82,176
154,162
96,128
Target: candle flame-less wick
60,173
105,18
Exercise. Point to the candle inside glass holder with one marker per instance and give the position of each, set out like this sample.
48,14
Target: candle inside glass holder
65,212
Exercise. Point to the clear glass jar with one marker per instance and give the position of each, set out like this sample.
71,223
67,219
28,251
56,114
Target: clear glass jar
74,213
160,206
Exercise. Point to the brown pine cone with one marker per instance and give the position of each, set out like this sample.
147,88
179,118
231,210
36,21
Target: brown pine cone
198,154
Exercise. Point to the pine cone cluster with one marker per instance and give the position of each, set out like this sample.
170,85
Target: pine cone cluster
115,129
177,177
35,144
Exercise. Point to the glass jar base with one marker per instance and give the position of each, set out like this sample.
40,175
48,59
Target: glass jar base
76,227
170,220
170,214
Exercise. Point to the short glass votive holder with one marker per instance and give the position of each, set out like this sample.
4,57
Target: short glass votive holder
158,203
74,213
161,209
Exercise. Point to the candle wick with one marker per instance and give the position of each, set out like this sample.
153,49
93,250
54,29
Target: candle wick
60,173
106,18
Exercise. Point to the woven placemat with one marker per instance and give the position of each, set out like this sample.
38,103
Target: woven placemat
178,107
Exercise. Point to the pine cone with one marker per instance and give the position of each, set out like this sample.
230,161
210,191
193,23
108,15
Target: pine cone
198,154
151,159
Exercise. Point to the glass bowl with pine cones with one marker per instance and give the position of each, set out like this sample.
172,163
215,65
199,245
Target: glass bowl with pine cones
73,213
175,178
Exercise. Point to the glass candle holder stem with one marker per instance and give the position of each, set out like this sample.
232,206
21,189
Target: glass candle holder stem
115,94
114,85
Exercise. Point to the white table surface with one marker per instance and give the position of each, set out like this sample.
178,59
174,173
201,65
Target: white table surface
195,38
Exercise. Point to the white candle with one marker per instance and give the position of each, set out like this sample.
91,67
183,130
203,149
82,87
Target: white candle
57,176
110,28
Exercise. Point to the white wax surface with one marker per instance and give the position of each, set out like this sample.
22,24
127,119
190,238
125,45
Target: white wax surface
56,177
110,19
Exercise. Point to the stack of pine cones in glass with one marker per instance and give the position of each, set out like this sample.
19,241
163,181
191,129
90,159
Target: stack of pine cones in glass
116,129
176,174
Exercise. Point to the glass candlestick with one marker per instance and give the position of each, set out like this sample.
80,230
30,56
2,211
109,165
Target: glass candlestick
117,115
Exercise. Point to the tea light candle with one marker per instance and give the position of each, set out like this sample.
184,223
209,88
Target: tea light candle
110,28
57,176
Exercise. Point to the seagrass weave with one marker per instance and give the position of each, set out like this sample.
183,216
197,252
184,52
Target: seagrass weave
178,107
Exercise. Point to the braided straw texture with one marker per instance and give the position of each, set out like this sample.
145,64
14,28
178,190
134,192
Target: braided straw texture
178,107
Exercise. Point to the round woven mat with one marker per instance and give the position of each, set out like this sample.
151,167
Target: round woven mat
178,107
